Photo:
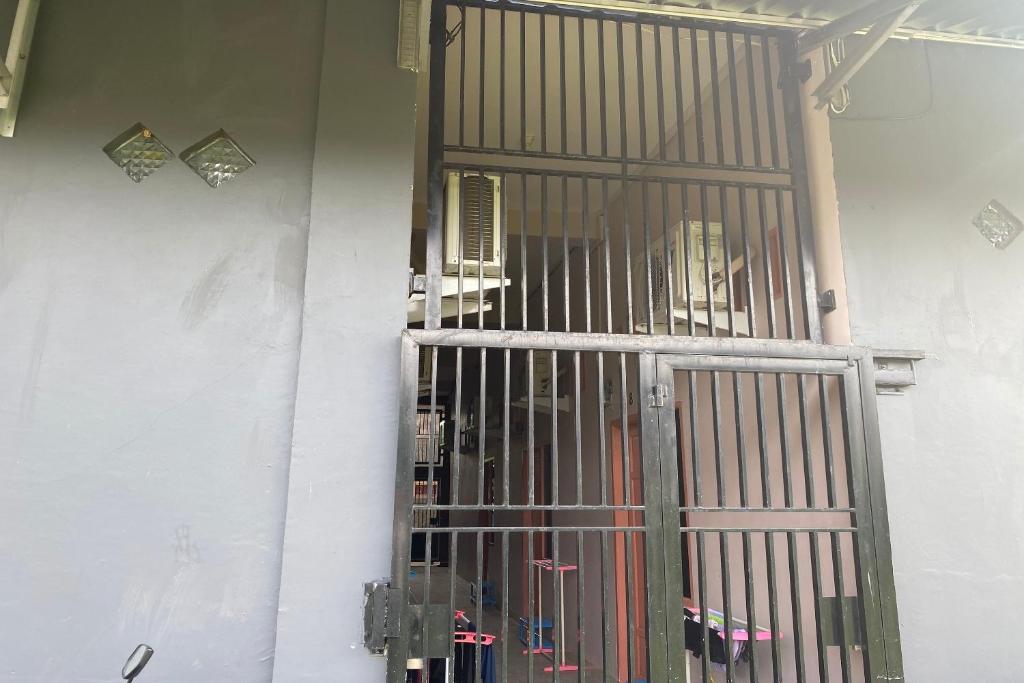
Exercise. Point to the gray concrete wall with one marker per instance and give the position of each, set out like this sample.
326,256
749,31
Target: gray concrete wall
151,342
341,488
921,276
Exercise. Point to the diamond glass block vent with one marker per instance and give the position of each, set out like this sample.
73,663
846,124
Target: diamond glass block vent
217,159
138,152
998,225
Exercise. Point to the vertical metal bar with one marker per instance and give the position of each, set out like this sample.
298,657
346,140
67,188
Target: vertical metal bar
864,551
723,549
766,262
737,130
702,589
787,475
405,476
607,244
480,252
773,606
839,585
554,429
505,422
536,627
709,288
501,81
762,441
641,99
646,218
730,296
504,606
697,96
687,259
481,428
748,272
577,400
457,445
668,262
659,84
462,247
462,78
795,603
601,85
482,129
435,166
755,117
566,253
558,632
716,96
581,635
787,290
880,522
502,244
583,92
530,437
821,651
601,436
671,486
750,600
453,571
654,523
522,86
543,84
678,79
801,191
608,624
621,75
545,273
627,230
769,82
585,229
524,234
477,654
562,94
698,488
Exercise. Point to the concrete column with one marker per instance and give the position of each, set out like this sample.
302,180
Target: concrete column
338,524
828,247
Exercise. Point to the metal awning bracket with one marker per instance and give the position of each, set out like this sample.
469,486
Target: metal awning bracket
13,69
884,17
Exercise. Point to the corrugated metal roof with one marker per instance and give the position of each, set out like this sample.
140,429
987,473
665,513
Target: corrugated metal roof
987,18
993,22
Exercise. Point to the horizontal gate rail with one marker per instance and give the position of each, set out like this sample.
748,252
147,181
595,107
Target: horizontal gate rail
625,343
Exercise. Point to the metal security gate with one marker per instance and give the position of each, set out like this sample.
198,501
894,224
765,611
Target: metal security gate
654,471
757,503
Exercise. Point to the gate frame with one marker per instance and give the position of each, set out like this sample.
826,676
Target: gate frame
657,355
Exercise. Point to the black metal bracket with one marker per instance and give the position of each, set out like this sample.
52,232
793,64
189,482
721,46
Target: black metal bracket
827,301
841,622
895,370
799,70
382,610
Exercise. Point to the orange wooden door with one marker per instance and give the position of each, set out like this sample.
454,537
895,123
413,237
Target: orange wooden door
630,565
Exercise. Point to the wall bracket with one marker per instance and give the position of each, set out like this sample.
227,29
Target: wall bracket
895,370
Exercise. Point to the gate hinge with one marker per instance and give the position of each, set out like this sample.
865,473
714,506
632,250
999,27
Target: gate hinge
381,614
659,392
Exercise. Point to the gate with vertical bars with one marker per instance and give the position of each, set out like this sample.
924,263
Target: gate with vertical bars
655,470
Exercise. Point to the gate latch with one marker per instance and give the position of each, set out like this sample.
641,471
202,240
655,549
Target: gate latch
382,609
659,392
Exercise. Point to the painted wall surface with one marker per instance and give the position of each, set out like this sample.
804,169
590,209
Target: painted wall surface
151,340
921,276
341,487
